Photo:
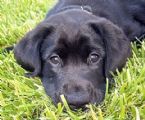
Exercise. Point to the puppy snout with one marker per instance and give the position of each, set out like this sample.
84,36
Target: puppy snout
77,95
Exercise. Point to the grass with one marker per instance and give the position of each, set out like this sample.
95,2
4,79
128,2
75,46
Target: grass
23,98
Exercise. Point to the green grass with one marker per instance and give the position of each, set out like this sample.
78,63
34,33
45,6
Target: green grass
22,98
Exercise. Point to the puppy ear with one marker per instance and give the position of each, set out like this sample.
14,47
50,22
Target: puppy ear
117,45
27,51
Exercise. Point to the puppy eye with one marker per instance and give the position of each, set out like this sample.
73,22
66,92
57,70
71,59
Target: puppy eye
55,60
93,58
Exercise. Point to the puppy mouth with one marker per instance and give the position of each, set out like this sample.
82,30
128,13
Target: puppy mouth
95,99
75,108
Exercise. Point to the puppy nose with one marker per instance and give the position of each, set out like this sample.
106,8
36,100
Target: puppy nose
77,96
77,100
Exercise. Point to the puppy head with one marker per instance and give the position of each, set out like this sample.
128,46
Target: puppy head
73,53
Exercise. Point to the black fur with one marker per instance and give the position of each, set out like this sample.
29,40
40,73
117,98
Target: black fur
74,49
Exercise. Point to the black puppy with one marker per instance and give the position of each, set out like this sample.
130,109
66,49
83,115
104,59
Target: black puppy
78,44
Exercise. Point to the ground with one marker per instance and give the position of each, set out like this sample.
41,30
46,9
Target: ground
24,98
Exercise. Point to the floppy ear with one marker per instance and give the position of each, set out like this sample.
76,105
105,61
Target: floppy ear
27,51
117,45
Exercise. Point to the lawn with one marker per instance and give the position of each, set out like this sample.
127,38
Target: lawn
23,98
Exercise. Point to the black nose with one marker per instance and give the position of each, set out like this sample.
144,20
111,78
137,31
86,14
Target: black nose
79,99
77,95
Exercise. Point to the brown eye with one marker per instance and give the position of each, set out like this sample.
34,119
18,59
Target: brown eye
55,60
93,58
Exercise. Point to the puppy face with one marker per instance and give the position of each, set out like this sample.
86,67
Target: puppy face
73,58
73,52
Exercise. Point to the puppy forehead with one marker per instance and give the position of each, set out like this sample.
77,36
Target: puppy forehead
71,22
68,31
74,34
74,38
66,35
